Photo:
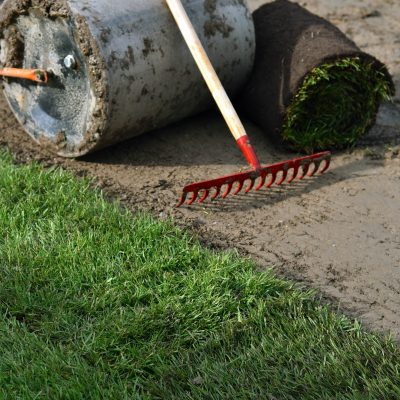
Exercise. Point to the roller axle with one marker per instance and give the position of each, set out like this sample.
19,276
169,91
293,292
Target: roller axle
35,75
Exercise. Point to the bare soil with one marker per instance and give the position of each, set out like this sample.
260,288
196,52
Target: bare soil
339,233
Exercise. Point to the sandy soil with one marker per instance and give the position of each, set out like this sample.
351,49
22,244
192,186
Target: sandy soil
339,233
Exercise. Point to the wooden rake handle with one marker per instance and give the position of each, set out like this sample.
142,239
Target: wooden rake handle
214,84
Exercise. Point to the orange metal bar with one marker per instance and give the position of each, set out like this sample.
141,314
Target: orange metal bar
35,75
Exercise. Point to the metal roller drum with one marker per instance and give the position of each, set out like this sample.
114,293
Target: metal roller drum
117,69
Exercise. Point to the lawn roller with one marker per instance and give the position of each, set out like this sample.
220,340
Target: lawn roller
265,175
95,75
115,72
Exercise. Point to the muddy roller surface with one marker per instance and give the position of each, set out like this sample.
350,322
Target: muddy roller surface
339,234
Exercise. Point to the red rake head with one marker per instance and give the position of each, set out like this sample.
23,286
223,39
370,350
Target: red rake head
268,175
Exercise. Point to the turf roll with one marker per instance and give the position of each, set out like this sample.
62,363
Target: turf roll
312,88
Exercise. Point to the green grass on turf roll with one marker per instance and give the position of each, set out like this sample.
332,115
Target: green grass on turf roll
336,104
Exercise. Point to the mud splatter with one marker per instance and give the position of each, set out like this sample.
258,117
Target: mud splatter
148,46
215,25
210,6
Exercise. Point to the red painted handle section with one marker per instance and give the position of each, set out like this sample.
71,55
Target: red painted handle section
248,151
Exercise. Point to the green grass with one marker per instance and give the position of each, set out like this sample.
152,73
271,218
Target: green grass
336,104
95,303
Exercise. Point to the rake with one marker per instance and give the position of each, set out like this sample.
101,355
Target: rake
259,176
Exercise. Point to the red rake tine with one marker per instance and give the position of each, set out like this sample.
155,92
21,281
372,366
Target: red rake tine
271,181
205,195
241,177
283,178
228,190
252,180
327,165
239,188
216,194
262,182
294,175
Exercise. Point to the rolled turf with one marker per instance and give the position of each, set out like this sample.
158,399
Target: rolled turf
311,87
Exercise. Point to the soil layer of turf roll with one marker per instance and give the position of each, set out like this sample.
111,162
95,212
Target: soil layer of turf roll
311,87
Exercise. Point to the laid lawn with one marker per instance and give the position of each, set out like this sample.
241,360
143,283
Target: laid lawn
96,303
